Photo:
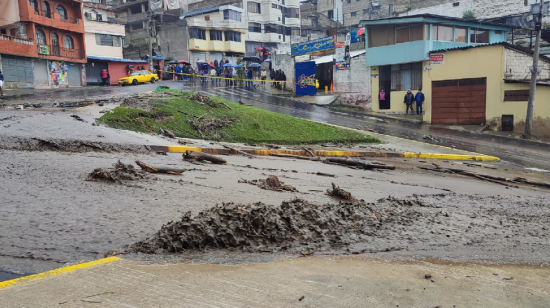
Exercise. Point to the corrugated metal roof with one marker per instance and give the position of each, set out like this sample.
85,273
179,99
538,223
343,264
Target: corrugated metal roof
432,17
505,44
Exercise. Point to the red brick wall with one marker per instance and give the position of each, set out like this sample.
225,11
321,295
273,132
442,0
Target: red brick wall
117,70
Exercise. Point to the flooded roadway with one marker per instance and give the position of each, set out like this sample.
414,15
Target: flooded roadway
518,152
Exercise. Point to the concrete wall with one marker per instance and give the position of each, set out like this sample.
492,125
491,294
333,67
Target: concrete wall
99,50
173,40
354,85
117,70
518,65
286,63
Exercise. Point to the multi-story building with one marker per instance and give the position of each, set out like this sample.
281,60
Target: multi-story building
42,43
104,40
215,33
271,22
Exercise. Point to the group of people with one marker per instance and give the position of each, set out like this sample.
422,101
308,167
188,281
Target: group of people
279,77
409,100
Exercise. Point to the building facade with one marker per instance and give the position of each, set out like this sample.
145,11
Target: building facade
215,33
42,43
270,22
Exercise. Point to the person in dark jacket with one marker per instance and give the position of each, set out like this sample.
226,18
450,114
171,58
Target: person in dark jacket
409,100
419,99
1,84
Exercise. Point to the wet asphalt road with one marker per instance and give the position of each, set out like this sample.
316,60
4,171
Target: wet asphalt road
517,152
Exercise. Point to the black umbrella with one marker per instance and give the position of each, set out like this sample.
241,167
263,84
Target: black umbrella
252,59
173,62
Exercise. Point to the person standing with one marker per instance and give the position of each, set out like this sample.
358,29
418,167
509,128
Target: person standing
178,73
419,98
157,69
226,75
1,84
104,75
212,74
263,76
382,97
408,101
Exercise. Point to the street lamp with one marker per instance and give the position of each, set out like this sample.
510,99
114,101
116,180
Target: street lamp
537,18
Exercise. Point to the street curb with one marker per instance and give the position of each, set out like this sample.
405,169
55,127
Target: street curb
260,152
63,270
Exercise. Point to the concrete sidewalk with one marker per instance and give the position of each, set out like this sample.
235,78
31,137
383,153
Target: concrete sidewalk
304,282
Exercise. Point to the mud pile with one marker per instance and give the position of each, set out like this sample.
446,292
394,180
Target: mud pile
120,173
260,227
271,183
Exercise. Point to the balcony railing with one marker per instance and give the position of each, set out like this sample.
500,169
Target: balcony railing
49,50
15,39
49,14
69,20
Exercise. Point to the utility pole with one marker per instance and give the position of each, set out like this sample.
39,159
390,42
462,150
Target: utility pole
151,30
534,73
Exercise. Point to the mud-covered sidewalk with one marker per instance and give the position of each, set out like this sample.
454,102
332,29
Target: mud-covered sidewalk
303,282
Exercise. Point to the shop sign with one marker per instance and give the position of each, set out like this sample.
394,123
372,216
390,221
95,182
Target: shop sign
311,47
437,58
43,50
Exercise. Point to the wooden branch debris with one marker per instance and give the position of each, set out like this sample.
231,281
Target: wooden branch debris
309,151
194,155
152,169
193,116
326,174
357,163
167,133
490,178
238,151
295,156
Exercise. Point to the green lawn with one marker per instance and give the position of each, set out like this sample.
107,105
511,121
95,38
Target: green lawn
246,124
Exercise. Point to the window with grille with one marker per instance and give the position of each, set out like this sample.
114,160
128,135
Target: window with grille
40,37
254,27
108,40
215,35
254,7
231,15
61,11
479,36
198,34
233,36
68,42
406,76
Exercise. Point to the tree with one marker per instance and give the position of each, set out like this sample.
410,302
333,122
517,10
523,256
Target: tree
469,15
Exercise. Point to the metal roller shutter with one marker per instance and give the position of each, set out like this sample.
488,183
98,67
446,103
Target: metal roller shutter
216,55
74,74
18,72
41,75
459,101
198,55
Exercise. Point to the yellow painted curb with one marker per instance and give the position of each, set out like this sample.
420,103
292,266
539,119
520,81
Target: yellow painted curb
63,270
451,157
182,149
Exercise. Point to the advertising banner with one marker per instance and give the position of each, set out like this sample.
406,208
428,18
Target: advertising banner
437,58
315,46
341,56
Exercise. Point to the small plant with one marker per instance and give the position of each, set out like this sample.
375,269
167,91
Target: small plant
469,15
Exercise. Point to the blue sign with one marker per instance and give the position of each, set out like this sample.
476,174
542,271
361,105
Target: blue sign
310,47
305,78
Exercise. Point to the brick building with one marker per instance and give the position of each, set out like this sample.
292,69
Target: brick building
42,43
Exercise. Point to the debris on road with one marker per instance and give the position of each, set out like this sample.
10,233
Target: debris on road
358,163
260,227
295,156
78,118
194,155
428,276
238,151
121,172
152,169
167,133
271,183
326,174
339,193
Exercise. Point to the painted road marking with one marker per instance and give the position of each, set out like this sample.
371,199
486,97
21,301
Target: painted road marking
63,270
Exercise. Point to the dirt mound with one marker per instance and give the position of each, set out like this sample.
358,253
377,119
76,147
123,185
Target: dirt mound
271,183
261,227
339,193
66,145
120,173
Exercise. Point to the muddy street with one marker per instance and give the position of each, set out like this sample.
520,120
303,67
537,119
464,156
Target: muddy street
51,215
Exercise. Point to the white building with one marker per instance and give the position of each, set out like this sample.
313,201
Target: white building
270,22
